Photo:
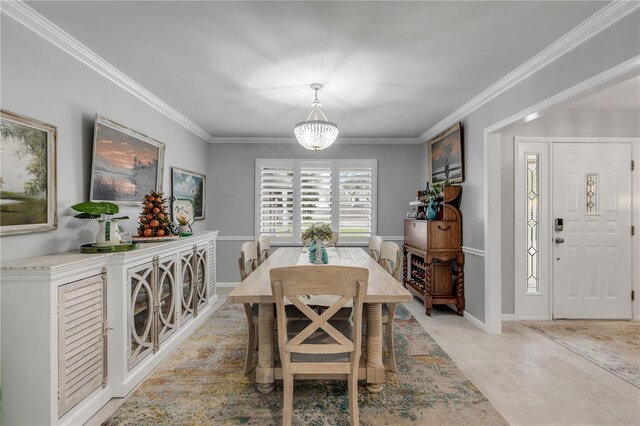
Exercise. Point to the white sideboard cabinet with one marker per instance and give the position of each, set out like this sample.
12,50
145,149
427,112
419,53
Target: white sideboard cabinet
80,329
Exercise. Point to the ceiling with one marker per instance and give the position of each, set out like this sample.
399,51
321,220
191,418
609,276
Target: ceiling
622,96
390,69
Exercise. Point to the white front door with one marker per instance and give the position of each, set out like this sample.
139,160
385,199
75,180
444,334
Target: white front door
592,252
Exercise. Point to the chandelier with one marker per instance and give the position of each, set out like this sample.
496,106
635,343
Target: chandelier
316,132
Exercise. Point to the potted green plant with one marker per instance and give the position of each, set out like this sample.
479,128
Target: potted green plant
318,233
431,194
184,225
109,233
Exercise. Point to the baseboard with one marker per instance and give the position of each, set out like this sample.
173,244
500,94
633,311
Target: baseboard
227,284
509,317
475,321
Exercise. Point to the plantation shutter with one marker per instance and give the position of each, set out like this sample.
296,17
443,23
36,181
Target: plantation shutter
276,188
315,194
292,195
357,204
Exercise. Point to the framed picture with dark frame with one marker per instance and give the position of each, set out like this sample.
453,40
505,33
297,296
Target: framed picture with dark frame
126,164
446,156
27,175
188,185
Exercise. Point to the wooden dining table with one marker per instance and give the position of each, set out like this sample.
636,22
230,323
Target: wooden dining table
382,288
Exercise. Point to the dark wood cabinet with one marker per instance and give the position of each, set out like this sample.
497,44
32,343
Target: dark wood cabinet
433,260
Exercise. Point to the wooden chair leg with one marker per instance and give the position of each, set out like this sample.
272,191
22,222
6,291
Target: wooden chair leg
392,352
251,341
287,409
354,415
255,347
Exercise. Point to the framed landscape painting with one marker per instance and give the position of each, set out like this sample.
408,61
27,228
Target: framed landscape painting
27,175
446,160
188,185
126,164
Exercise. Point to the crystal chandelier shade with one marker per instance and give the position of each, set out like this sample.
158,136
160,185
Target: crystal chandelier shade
316,132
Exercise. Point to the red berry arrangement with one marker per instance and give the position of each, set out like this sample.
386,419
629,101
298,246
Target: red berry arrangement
154,218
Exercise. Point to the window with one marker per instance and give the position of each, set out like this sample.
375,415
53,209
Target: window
533,221
293,194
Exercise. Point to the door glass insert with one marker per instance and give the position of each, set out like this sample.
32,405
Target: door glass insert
533,222
592,193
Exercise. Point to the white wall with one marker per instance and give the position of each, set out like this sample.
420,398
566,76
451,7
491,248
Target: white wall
231,203
566,122
40,81
614,45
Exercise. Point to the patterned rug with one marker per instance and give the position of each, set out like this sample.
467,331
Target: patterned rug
202,382
612,345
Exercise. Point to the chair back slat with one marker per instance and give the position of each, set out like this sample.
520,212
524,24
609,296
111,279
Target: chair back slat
264,244
390,258
375,242
319,321
248,260
333,242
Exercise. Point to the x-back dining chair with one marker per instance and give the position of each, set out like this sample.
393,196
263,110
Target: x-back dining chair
375,242
391,261
319,345
248,262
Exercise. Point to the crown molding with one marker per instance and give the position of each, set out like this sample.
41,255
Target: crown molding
286,139
604,18
34,21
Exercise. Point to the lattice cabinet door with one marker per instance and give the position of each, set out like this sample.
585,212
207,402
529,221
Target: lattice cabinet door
82,340
165,298
187,281
201,274
141,281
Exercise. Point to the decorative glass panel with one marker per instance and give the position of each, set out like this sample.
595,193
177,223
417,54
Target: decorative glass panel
592,193
533,222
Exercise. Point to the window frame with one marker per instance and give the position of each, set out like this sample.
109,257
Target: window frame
336,166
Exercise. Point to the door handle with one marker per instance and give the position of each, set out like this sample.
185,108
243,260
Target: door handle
559,240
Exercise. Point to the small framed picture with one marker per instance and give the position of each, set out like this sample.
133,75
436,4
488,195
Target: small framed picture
27,175
446,159
187,185
182,209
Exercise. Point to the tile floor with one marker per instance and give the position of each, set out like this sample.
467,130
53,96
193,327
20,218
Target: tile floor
529,379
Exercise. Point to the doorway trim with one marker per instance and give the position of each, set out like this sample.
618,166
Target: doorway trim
548,209
493,193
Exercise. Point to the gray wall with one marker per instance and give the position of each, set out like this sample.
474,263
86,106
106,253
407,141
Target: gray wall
231,206
45,83
611,47
566,122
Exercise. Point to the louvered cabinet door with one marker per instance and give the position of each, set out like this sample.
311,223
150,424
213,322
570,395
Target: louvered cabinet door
187,279
201,273
165,298
82,341
140,313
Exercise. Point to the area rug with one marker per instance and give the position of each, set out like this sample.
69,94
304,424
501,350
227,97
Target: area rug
611,345
202,383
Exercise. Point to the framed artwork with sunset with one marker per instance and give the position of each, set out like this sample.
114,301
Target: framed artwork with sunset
446,159
126,164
